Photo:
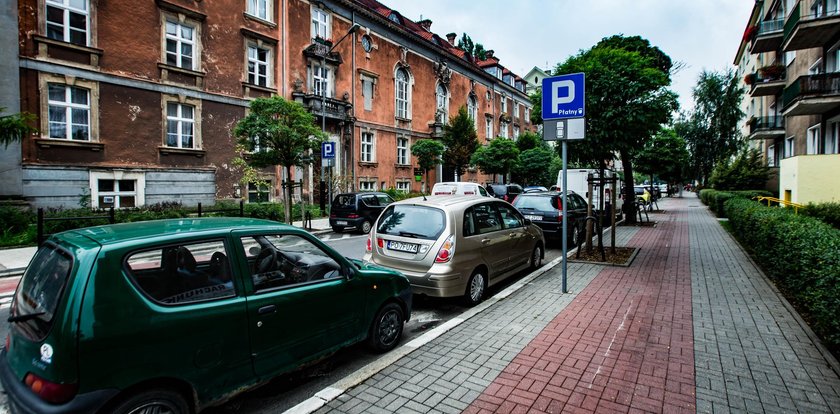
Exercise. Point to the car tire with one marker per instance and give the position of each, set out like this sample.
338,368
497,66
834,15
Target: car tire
366,226
386,331
536,257
158,400
338,229
475,289
574,237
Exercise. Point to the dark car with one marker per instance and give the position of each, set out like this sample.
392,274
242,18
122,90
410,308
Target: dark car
543,209
507,192
357,210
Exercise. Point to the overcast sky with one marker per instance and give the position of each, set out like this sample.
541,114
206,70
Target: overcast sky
703,34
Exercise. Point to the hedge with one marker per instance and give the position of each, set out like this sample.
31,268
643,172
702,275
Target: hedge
828,212
801,253
715,199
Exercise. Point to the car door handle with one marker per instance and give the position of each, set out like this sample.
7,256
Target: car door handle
265,310
512,235
485,241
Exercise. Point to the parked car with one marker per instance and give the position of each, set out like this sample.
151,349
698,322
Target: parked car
454,246
507,192
534,189
544,210
459,188
357,210
178,315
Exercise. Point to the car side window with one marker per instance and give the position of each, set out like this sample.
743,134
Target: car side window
580,202
384,200
370,200
277,261
486,219
181,274
469,223
510,217
482,191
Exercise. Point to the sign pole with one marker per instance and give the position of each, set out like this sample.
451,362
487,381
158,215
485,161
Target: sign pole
565,217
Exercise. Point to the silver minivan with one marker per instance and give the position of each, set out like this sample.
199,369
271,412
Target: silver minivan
454,246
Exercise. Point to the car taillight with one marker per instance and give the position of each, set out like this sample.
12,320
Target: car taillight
505,197
333,215
380,243
367,245
352,215
447,250
50,391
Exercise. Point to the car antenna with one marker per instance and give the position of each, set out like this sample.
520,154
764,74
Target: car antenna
424,197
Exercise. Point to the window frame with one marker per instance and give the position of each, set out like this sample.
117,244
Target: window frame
139,186
813,138
790,146
370,183
371,147
197,114
488,127
268,9
66,8
441,102
181,20
472,108
44,79
402,93
403,186
268,63
402,150
319,82
315,24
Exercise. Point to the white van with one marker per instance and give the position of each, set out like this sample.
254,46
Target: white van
460,188
577,181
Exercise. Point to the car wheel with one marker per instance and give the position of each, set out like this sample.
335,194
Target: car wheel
536,257
338,229
154,401
387,328
574,238
475,289
366,226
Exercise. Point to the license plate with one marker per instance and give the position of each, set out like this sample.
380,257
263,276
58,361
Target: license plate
403,247
534,218
341,223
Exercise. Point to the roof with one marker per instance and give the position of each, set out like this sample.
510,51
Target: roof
445,200
117,233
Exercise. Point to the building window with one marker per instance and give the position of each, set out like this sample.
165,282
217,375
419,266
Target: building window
180,44
402,150
321,80
789,147
503,129
488,128
771,156
503,101
69,112
403,94
442,103
180,125
259,191
68,21
472,109
832,138
403,186
367,91
259,66
813,143
260,9
515,132
527,114
516,109
117,189
367,184
368,147
320,23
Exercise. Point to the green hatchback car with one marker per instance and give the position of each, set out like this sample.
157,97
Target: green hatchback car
178,315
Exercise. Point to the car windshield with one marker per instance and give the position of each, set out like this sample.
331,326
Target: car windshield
412,221
344,201
40,290
535,203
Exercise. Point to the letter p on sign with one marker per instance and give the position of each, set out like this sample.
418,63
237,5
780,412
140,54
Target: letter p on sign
556,99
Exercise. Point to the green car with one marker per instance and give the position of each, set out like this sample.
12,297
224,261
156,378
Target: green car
179,315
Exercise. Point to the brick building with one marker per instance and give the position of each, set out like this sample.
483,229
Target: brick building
136,100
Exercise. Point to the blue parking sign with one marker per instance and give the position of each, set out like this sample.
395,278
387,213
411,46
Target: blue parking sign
328,149
564,96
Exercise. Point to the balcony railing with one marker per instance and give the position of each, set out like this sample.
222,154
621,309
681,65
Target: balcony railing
765,123
809,28
770,26
332,108
792,20
812,86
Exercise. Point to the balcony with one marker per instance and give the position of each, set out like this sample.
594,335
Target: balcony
806,28
333,108
769,81
812,95
767,127
768,36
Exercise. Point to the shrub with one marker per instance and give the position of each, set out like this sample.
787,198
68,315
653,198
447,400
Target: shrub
800,254
748,170
827,212
14,220
716,199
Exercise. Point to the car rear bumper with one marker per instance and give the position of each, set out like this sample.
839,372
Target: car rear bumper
440,281
347,222
22,400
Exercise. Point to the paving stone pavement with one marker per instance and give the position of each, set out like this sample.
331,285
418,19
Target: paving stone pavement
691,325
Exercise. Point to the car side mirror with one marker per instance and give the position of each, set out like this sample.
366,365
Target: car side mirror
527,222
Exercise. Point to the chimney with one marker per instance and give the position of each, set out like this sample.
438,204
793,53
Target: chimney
426,24
488,54
451,38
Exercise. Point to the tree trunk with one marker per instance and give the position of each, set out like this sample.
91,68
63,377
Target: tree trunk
629,193
289,189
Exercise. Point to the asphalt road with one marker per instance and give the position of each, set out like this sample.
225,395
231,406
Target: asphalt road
288,390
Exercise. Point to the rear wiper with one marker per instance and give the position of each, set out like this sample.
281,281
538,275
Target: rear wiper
24,317
410,234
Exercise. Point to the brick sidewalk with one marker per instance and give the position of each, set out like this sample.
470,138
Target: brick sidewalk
691,325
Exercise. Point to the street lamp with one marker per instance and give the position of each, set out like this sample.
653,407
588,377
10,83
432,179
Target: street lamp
329,50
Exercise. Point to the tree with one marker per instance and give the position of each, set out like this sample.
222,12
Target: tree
476,50
666,156
460,140
712,129
497,158
278,132
534,167
14,127
536,107
747,172
529,140
428,153
627,101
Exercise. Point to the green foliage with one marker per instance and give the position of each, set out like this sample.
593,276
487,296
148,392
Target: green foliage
828,212
534,167
528,140
497,158
476,50
666,156
748,170
712,129
15,220
460,140
800,254
716,199
428,153
536,107
399,195
15,126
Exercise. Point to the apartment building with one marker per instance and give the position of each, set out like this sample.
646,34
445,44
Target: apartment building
794,94
136,101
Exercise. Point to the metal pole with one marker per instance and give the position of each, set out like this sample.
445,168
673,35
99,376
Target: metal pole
565,219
